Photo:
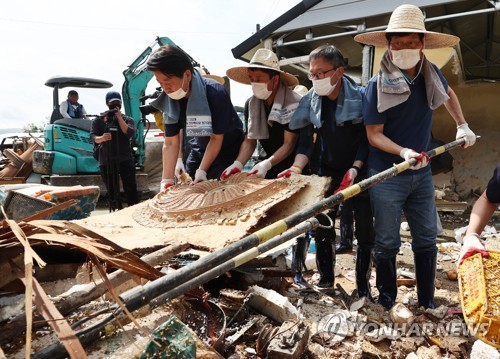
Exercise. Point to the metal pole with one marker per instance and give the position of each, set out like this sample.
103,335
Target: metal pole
235,262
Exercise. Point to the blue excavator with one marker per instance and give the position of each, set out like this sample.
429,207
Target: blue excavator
67,156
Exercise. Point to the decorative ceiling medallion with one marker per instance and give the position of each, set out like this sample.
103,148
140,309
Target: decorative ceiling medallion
223,202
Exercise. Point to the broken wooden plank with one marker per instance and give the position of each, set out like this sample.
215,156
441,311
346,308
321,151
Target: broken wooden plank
56,321
71,300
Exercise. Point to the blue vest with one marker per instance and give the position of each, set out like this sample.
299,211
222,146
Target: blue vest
75,113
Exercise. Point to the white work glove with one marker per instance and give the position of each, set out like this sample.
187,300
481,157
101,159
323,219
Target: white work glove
236,167
165,183
261,168
463,131
179,168
199,176
472,245
422,158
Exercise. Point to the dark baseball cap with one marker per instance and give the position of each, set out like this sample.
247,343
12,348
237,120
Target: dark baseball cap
113,96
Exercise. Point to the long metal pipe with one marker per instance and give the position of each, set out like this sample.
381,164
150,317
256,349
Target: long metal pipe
235,262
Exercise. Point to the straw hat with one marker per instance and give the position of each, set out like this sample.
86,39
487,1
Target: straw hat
408,18
263,59
203,71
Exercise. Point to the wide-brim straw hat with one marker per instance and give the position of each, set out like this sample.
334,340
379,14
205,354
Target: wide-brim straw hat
410,19
262,59
204,73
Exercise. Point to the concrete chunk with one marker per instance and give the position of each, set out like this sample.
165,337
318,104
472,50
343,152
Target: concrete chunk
272,304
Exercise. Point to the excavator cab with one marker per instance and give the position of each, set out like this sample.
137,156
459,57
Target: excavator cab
67,146
61,82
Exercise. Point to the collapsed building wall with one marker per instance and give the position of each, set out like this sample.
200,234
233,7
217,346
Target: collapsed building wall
472,168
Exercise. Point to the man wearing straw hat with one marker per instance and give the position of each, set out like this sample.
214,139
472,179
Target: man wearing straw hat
270,110
397,111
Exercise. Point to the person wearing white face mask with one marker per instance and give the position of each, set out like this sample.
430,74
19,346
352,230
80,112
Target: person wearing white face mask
397,110
267,113
202,109
332,110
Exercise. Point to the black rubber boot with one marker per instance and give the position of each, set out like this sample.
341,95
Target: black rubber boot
299,253
346,236
386,281
363,272
425,272
325,261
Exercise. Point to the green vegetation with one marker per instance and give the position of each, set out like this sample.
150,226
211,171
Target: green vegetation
34,128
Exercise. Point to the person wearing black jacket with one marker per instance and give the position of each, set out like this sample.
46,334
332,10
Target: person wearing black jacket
111,133
331,112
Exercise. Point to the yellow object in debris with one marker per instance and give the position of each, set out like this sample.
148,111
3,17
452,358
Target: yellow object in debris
479,283
159,120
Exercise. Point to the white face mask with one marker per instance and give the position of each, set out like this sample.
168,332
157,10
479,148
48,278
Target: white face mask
405,59
260,90
178,94
324,87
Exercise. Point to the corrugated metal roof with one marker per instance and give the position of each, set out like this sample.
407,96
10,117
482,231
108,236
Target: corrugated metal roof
310,24
332,11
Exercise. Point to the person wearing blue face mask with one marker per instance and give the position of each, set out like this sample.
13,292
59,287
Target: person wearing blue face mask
332,112
397,110
268,113
202,109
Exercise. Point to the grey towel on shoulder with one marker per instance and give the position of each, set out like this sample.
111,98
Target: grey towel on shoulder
392,88
284,105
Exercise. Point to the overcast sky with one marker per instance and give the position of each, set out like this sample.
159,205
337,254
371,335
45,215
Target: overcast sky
98,39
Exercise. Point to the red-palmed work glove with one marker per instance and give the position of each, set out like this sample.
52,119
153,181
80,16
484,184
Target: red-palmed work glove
199,176
236,167
290,171
165,183
422,158
260,169
463,131
348,179
472,245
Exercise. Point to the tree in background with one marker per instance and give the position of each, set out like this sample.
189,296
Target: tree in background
34,128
